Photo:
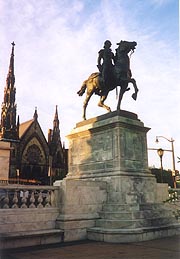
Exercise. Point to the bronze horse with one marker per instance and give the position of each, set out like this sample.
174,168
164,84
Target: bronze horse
121,77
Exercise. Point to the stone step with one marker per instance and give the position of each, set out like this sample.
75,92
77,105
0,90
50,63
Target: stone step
121,215
156,213
134,214
133,207
120,207
152,206
112,223
132,235
134,223
31,238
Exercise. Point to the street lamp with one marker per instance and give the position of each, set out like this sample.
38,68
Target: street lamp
173,157
160,152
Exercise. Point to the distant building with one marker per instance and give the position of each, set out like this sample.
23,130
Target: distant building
33,159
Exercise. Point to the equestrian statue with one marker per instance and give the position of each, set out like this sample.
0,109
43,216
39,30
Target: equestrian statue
114,71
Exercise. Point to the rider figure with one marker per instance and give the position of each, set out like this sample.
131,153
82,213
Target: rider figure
106,68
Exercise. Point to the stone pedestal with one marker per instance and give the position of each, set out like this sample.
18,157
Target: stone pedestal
111,151
108,145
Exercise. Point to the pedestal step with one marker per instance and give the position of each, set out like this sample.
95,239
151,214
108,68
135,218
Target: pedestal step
134,214
132,207
134,223
132,235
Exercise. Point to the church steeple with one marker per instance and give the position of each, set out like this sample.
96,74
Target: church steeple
57,152
56,121
35,117
8,128
54,138
10,81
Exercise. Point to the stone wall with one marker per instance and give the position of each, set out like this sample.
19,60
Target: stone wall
28,216
80,202
162,193
4,160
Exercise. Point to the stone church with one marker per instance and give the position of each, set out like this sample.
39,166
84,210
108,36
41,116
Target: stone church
33,159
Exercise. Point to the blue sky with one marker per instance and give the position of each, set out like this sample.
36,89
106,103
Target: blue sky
56,50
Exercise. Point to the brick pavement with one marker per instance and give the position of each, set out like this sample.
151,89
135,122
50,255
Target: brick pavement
165,248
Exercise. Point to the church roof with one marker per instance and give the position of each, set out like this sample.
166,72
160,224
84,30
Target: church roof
23,127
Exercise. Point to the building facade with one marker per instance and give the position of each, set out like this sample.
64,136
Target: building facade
33,159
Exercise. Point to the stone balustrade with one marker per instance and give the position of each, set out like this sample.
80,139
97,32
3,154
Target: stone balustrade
19,196
28,215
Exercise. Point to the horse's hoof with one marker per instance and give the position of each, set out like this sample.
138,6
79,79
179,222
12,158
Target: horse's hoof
134,96
80,93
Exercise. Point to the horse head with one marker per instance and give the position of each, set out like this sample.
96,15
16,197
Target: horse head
126,46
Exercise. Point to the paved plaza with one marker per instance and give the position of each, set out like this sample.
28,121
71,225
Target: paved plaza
165,248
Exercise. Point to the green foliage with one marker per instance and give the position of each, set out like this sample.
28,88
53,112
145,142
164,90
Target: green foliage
174,197
166,176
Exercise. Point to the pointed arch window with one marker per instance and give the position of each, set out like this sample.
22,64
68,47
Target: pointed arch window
33,154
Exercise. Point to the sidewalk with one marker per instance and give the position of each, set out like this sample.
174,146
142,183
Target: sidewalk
165,248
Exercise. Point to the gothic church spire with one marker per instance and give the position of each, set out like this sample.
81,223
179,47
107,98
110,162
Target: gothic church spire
10,81
56,121
54,138
8,128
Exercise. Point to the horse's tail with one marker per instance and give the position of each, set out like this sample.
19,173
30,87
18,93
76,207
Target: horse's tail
83,88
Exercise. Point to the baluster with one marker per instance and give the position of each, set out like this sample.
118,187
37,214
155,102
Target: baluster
52,198
15,201
47,200
40,200
32,200
24,199
6,201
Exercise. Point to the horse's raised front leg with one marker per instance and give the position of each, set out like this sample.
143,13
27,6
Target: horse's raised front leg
101,103
134,95
88,96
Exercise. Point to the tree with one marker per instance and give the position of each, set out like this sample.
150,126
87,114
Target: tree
167,176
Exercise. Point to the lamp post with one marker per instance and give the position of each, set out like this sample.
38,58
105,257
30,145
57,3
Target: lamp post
173,157
160,152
